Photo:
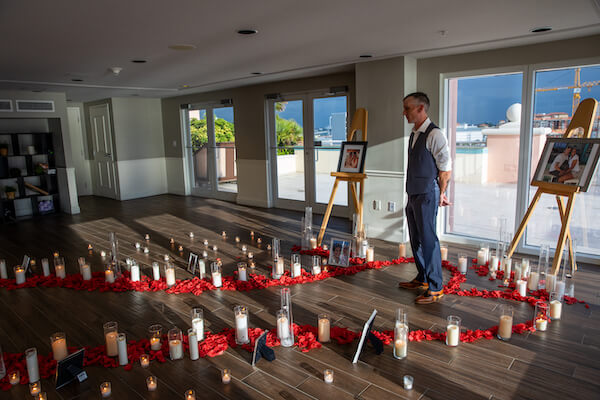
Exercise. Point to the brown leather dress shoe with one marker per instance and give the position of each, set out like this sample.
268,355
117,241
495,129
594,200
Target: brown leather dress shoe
430,297
414,284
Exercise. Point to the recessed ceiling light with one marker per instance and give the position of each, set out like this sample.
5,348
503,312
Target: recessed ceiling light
366,56
541,29
247,31
77,80
139,61
182,47
256,73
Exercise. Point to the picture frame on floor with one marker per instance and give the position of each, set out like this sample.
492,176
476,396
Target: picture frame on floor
192,263
339,253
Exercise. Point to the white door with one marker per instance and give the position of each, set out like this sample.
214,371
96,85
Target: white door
103,163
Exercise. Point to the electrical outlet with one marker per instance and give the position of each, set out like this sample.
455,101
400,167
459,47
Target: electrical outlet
377,205
391,206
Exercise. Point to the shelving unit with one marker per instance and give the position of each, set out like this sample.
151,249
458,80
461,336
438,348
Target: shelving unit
27,152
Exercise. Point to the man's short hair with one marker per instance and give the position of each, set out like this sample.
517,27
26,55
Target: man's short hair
420,97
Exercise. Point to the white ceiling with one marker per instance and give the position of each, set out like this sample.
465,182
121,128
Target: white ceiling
46,44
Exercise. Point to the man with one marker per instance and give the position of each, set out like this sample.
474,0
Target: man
560,164
429,170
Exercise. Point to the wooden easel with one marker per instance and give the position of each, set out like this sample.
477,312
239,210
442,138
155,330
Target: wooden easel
583,118
359,122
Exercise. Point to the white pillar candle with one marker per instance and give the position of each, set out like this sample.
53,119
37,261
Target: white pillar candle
33,369
283,327
452,335
462,265
444,253
550,280
109,276
507,267
296,270
198,327
216,279
370,254
541,324
155,344
481,257
400,348
324,330
122,349
532,283
19,275
494,263
313,243
60,271
242,275
86,272
111,343
170,276
241,328
155,271
3,271
135,272
279,268
59,348
522,287
505,326
175,349
401,250
193,344
555,309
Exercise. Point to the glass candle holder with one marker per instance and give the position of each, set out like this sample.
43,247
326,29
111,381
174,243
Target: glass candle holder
19,275
58,341
226,375
507,266
540,316
313,242
147,236
453,331
555,305
324,328
170,274
242,271
135,271
122,347
144,360
506,322
408,381
105,389
41,396
45,267
111,331
250,255
151,383
109,274
33,369
240,314
444,252
295,266
215,270
569,286
193,344
84,269
189,395
283,327
14,377
275,247
521,287
401,250
494,262
175,343
156,271
155,337
543,266
316,265
401,318
400,342
370,254
534,277
525,268
59,267
463,263
278,268
35,388
328,376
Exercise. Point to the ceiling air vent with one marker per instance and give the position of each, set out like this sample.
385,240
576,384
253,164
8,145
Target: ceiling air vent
5,105
35,105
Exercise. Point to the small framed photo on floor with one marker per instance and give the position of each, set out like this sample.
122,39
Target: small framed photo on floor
339,252
352,157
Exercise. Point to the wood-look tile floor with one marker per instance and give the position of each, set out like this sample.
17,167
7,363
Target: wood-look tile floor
563,362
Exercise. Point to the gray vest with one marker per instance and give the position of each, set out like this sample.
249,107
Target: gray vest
422,170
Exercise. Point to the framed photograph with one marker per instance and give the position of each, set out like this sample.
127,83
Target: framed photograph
192,263
352,157
339,253
568,161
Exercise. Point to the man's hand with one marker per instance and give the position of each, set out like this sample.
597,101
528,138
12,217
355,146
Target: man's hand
444,200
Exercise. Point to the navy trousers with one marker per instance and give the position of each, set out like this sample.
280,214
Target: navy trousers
421,213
